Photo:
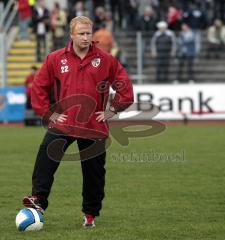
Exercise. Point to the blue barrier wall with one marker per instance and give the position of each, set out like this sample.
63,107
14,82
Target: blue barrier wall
12,104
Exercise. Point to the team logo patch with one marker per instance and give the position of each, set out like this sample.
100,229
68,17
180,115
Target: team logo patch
95,62
64,61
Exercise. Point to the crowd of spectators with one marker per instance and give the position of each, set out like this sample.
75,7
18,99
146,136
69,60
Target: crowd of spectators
174,27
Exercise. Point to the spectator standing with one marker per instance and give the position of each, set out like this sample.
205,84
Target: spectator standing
216,39
32,3
219,10
174,18
104,39
183,5
148,19
119,54
147,25
163,46
58,25
152,3
186,53
163,9
78,9
41,22
100,18
71,3
116,7
99,3
25,14
131,12
28,85
196,19
90,8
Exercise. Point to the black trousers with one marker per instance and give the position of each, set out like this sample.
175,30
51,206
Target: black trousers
40,47
92,155
162,69
187,63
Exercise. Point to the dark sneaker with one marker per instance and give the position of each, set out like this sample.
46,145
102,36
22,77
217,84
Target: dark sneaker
32,202
89,221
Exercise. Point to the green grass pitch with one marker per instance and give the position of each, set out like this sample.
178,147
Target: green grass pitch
176,194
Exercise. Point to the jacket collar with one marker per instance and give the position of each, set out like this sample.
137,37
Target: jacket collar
92,53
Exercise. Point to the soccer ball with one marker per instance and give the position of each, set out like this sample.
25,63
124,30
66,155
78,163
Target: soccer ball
29,219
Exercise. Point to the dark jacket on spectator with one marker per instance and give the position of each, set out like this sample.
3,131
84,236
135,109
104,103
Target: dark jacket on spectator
36,19
147,24
195,18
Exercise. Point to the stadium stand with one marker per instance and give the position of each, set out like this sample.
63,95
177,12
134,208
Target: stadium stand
21,56
136,46
206,70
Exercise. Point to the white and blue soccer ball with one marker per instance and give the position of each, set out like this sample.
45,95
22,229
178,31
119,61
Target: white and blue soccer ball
29,219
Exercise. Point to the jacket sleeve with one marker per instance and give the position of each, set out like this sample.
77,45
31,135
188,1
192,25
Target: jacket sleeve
41,87
121,83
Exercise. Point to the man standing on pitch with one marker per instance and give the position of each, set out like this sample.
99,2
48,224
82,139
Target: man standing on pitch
77,79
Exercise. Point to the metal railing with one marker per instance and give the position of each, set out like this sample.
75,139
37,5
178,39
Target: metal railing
142,65
7,16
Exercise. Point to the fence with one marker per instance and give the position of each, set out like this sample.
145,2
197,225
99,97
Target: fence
7,15
142,66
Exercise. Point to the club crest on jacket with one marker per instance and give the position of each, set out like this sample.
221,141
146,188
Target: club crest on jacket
95,62
64,61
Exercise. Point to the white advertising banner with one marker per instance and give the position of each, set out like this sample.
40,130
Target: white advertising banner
179,101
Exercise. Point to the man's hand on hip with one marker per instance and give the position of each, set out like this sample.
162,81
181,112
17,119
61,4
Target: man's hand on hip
104,115
56,117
